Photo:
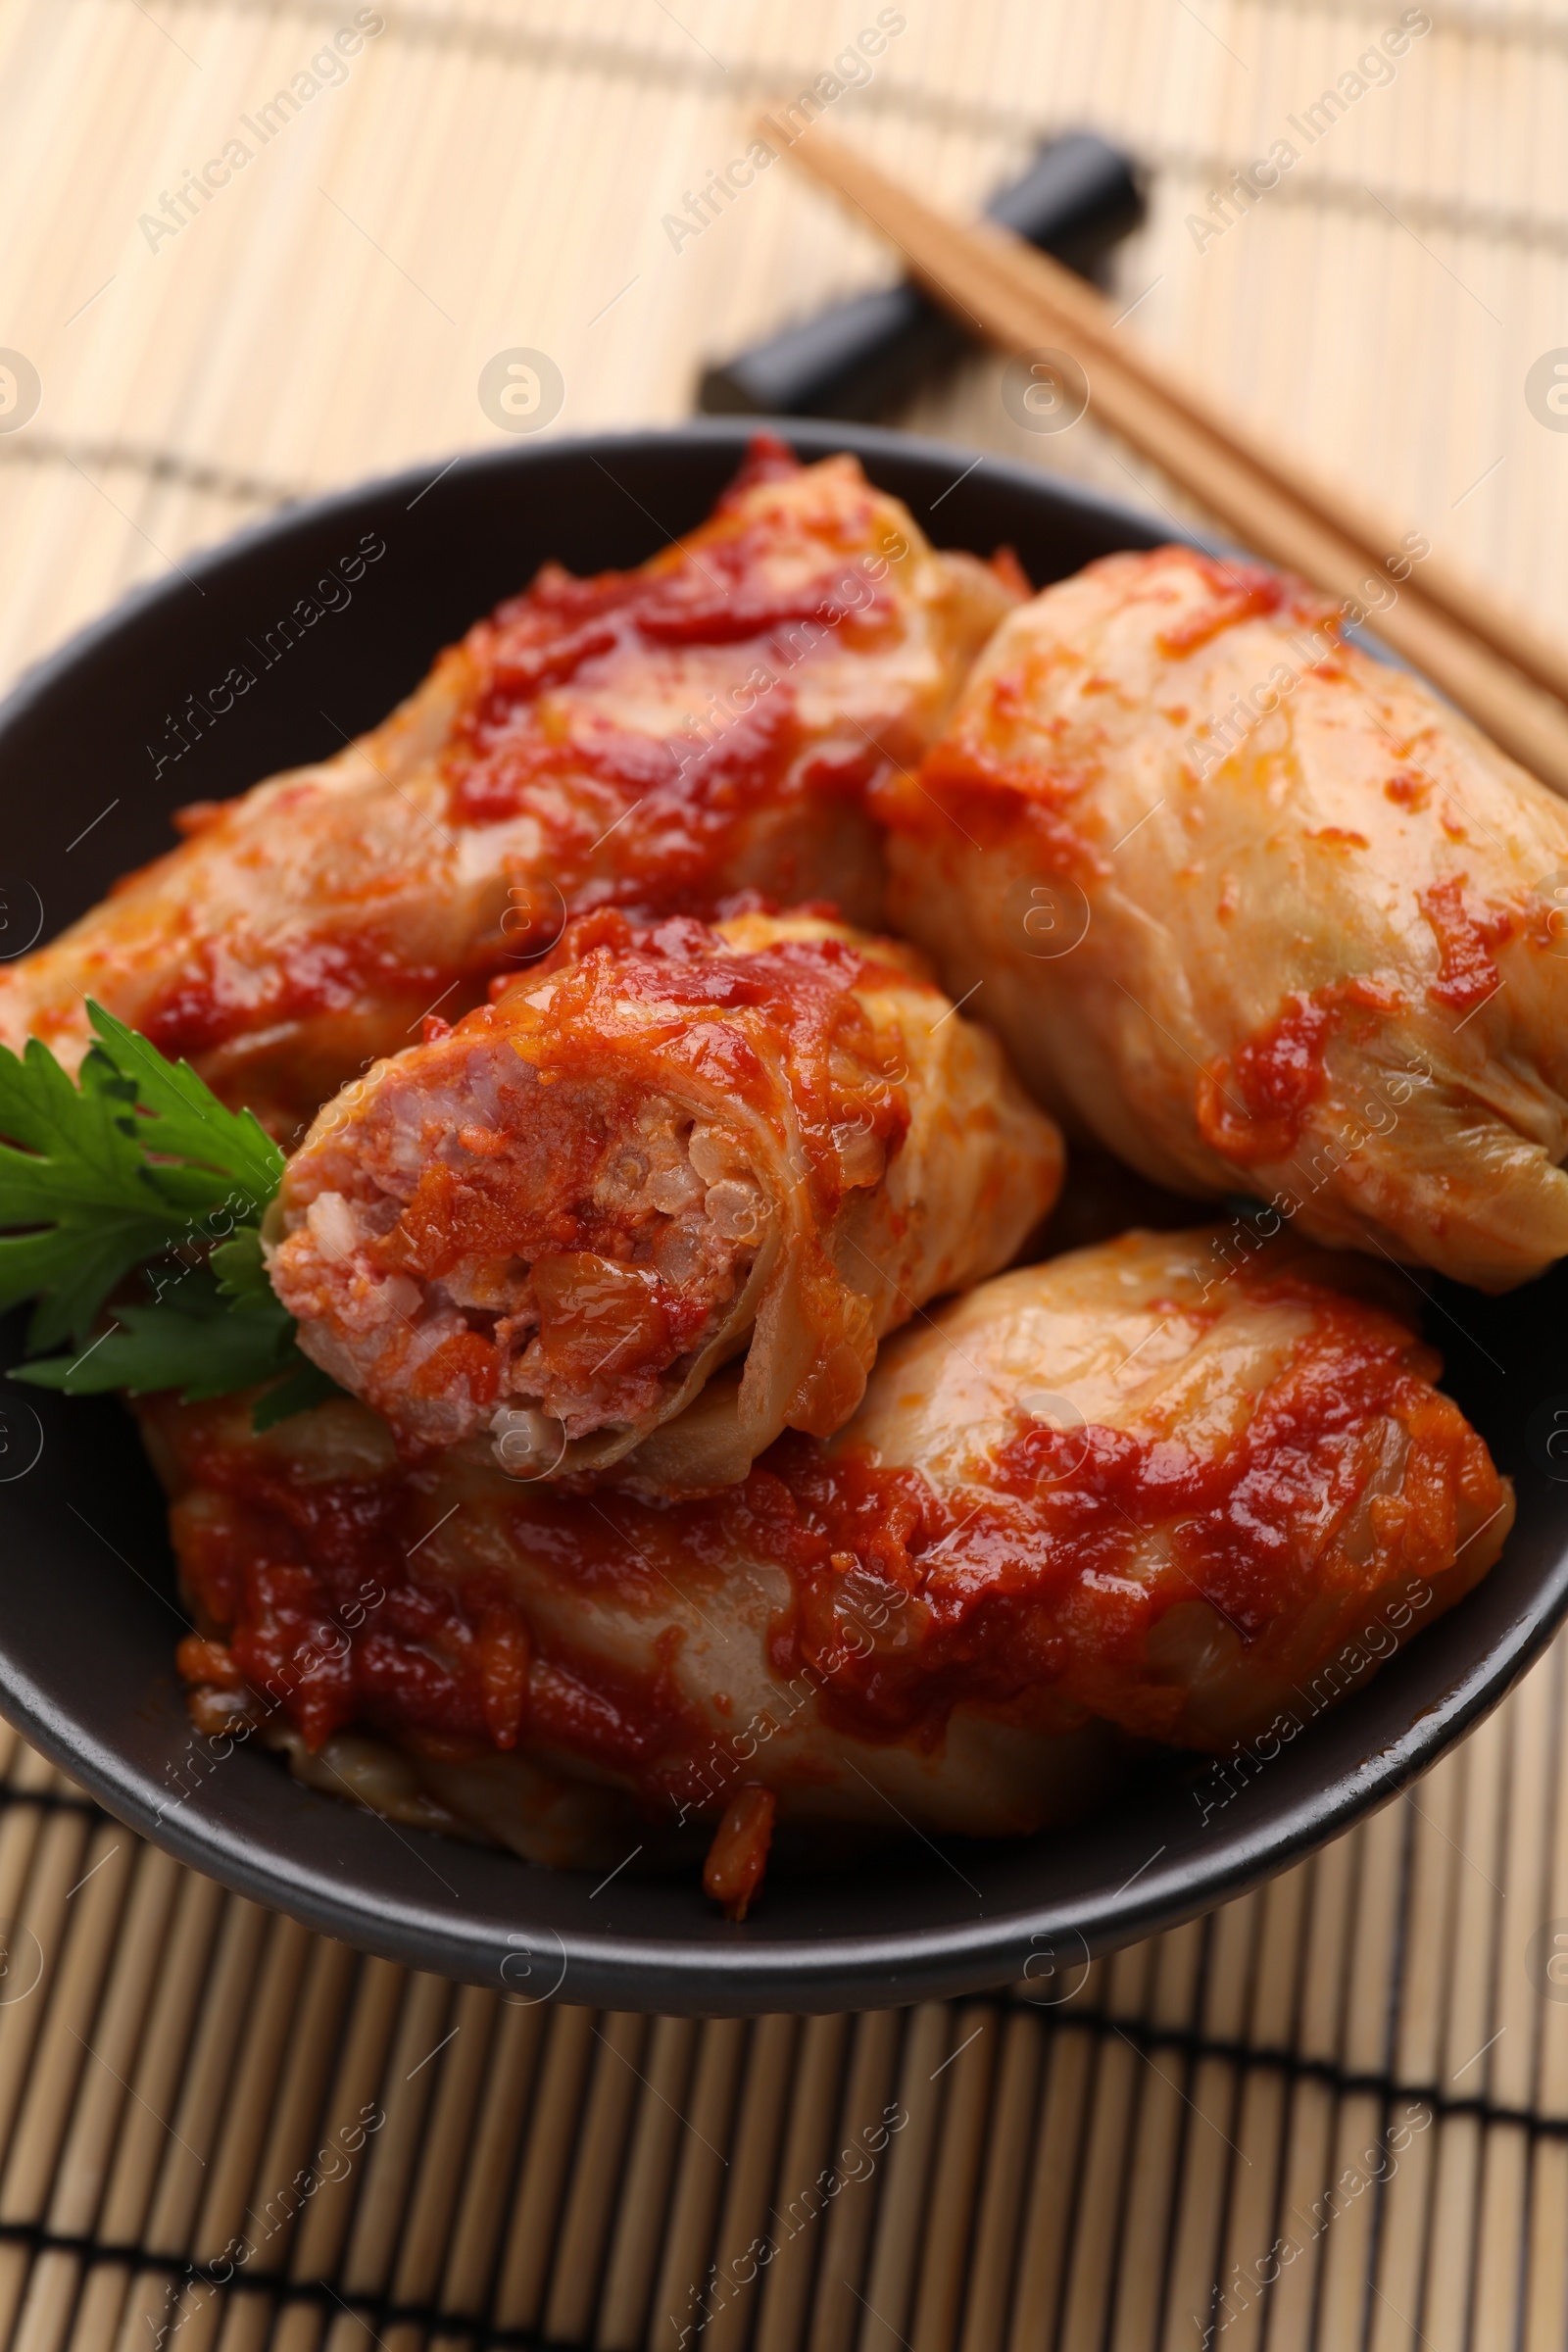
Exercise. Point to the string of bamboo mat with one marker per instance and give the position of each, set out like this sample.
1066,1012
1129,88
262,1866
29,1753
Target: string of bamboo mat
1491,660
220,2130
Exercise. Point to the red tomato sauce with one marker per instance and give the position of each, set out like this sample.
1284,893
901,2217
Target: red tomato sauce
735,1020
968,790
905,1602
1240,592
1466,933
1043,1584
1253,1104
668,997
203,1005
678,800
648,819
311,1600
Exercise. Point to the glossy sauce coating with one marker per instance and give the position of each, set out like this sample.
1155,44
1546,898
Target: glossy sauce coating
1128,1488
673,738
674,1148
1255,910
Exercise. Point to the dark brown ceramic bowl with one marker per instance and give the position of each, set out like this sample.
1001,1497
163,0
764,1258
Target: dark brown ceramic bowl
88,1612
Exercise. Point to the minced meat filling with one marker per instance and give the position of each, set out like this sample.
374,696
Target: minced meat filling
536,1259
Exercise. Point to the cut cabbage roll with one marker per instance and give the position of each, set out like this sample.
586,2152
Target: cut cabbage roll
543,1231
1259,913
663,739
1103,1501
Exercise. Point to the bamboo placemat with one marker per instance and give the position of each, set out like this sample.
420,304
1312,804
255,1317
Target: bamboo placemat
1333,2113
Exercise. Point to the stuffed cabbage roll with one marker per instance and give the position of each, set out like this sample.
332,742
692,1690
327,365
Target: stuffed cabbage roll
1110,1499
661,739
1259,913
544,1229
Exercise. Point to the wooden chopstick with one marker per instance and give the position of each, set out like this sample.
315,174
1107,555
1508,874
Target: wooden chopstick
1510,678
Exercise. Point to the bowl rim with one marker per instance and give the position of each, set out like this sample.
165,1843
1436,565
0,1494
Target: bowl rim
822,436
748,1970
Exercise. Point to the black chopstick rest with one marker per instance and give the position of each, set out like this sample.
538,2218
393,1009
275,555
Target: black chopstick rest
1078,199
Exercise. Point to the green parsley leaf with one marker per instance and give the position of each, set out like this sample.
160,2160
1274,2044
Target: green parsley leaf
304,1387
74,1175
186,1120
98,1176
241,1272
139,1161
191,1339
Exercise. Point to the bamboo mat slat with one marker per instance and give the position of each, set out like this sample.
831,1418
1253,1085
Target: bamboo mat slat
1333,2113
